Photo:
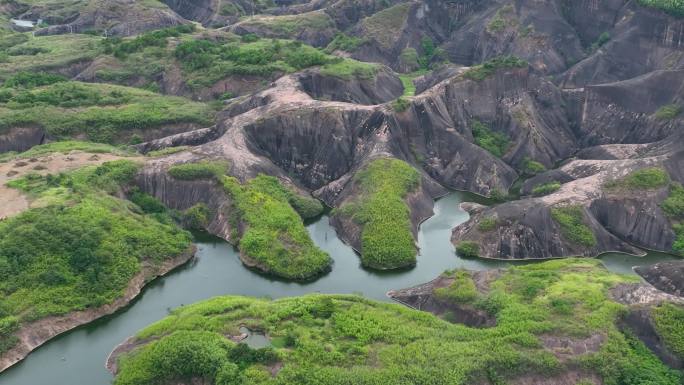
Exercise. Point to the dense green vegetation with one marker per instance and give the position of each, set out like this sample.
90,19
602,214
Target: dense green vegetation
642,179
274,237
572,226
331,340
79,247
488,68
496,143
668,320
349,69
121,48
468,249
199,170
462,290
673,7
289,26
102,112
487,224
386,238
668,112
49,53
545,188
344,42
532,167
673,206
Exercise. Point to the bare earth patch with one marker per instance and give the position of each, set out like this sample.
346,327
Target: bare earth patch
14,201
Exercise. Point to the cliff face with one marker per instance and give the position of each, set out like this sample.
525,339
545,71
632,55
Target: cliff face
665,276
21,139
181,195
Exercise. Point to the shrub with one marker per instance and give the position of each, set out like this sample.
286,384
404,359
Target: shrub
146,202
642,179
668,112
386,238
668,319
571,221
533,167
468,249
121,48
488,68
197,217
673,205
32,79
529,302
401,104
487,224
344,42
275,238
600,41
81,247
546,188
673,7
494,142
199,170
462,290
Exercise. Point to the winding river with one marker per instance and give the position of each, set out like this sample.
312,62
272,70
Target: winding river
78,357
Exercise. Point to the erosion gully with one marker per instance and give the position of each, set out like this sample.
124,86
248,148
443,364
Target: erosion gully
78,357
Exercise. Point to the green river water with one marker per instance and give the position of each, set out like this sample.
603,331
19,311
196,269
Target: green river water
77,357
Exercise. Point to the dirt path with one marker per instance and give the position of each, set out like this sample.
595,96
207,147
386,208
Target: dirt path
14,201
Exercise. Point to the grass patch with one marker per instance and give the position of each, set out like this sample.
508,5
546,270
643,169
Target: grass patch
386,238
461,291
350,69
385,26
573,228
495,142
199,170
289,26
672,7
545,188
65,147
668,320
673,205
487,224
468,249
407,82
343,42
81,247
275,236
401,104
532,167
103,112
668,112
642,179
489,68
342,339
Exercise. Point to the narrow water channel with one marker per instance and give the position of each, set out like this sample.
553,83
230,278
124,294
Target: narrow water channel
78,357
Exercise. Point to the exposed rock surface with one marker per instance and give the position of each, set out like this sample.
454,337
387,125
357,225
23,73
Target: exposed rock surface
666,276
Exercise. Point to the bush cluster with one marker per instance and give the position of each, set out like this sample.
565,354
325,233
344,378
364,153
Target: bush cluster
642,179
199,170
545,188
81,247
488,68
572,226
386,238
496,143
274,237
342,345
122,47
